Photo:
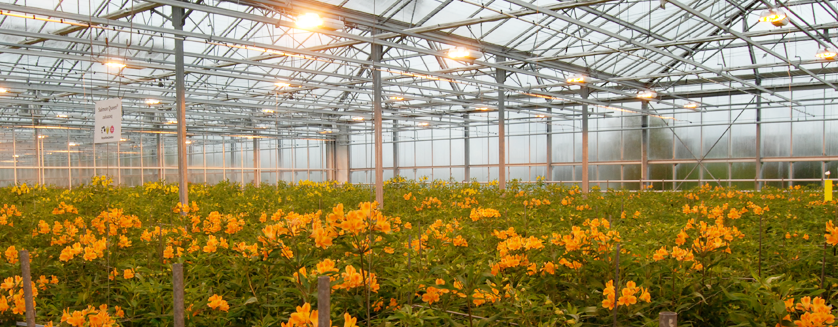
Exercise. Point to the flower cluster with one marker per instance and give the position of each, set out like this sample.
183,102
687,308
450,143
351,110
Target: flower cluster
6,213
480,213
831,234
627,295
64,208
812,312
95,317
215,302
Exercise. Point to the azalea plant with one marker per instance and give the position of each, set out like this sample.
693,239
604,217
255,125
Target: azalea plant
436,253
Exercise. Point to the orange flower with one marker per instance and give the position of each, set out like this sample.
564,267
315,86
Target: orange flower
128,273
217,303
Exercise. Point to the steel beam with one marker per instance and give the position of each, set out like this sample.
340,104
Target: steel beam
644,145
379,142
585,168
500,79
180,104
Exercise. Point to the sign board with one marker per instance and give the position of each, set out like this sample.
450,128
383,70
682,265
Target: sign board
108,121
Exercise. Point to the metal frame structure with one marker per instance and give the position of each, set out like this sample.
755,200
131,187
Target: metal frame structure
214,66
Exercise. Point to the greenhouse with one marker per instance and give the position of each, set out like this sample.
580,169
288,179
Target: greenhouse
418,162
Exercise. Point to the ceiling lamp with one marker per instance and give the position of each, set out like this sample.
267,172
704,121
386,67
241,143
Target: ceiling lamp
326,131
397,98
42,136
151,102
774,16
358,118
691,105
188,142
540,116
61,116
578,78
423,124
268,111
116,64
827,54
282,84
3,90
73,144
312,20
647,94
461,53
123,140
171,122
483,107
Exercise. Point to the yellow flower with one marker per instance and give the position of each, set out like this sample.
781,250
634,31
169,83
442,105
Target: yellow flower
349,321
11,255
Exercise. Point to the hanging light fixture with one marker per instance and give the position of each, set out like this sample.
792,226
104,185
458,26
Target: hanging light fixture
188,142
483,107
72,144
3,90
171,122
577,78
691,105
312,20
152,102
268,111
61,116
326,131
282,84
116,64
647,94
774,16
423,124
827,54
461,53
358,118
397,98
123,140
540,116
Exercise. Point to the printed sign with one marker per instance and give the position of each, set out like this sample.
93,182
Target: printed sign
108,121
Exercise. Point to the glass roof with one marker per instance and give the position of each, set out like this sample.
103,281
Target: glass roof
55,60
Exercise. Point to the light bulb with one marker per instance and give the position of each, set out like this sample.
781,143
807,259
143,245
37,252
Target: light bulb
309,20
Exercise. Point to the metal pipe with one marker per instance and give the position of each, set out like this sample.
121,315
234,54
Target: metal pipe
500,78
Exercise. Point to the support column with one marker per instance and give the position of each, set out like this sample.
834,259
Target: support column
395,150
585,168
161,173
379,142
180,90
758,149
644,144
548,176
38,154
257,176
341,162
466,150
500,78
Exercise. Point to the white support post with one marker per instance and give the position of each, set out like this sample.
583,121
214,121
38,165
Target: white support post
180,90
500,78
585,168
379,144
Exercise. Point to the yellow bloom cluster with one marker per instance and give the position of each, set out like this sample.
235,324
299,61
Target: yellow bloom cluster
512,242
428,203
627,295
305,317
161,187
101,181
95,318
64,208
813,312
536,203
6,213
480,213
831,234
21,189
15,298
